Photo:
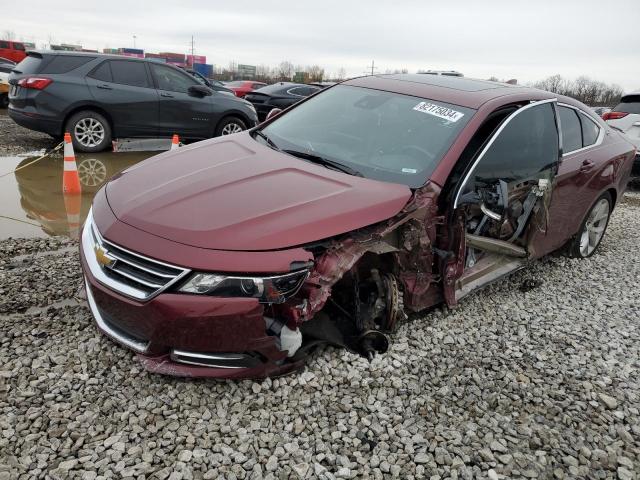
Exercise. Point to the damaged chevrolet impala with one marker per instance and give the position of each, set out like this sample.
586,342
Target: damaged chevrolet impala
334,220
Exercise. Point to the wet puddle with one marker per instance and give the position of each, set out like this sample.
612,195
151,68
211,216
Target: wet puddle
31,200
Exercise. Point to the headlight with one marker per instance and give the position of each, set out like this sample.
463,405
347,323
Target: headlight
275,289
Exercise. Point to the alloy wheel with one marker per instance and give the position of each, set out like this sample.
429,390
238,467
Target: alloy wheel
230,128
92,172
594,227
89,132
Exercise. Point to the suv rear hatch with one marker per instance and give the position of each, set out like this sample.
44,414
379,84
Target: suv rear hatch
626,117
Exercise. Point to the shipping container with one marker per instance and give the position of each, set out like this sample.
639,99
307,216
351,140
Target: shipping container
193,59
178,57
204,69
137,51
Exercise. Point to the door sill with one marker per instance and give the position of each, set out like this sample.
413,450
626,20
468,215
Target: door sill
490,268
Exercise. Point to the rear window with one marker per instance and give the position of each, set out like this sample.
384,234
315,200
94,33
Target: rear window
65,63
629,104
129,73
102,72
590,131
31,64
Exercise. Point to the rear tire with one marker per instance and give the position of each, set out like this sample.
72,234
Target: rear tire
4,100
90,131
586,242
230,125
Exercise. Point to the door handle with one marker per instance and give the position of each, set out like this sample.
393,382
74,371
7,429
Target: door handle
168,95
586,166
105,87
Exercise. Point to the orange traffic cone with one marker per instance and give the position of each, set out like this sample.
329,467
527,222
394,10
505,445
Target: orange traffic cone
72,204
175,142
70,178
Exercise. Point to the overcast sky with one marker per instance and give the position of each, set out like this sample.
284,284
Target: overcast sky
527,40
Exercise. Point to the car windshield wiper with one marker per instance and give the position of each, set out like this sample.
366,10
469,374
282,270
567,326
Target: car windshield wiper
270,142
324,161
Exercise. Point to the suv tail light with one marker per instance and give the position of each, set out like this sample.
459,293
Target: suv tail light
36,83
614,115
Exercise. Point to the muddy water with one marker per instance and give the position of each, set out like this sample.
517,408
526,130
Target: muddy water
31,200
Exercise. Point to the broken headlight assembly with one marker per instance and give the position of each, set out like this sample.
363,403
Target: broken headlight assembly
271,289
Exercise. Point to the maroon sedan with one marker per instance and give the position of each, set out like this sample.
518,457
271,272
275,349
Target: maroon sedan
239,256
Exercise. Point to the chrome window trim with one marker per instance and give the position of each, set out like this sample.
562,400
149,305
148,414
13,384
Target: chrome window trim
136,345
601,133
497,134
89,233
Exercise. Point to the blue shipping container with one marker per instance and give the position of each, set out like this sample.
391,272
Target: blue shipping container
204,69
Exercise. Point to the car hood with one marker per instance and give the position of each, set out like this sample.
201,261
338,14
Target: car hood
233,193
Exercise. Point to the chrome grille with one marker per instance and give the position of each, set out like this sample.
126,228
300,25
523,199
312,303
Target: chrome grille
124,271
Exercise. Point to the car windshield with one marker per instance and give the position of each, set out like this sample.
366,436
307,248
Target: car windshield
383,135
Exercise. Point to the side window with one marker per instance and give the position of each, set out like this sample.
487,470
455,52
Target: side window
128,72
571,130
257,86
527,145
590,130
4,44
171,80
102,72
297,91
18,46
65,63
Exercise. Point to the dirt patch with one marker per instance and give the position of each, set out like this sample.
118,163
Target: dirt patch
15,139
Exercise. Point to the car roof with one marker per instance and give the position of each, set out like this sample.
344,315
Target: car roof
463,91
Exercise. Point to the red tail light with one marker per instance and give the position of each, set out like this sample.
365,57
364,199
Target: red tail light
36,83
614,115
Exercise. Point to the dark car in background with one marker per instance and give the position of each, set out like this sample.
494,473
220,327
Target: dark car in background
100,97
242,87
212,84
279,95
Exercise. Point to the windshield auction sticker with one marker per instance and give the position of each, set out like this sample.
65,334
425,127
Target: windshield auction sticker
438,111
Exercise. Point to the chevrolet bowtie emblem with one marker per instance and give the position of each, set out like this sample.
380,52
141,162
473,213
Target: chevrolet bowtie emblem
102,257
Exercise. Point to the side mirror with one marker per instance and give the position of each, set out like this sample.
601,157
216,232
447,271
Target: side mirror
199,91
273,112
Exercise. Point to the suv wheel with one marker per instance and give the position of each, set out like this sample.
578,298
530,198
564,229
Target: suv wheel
89,130
230,125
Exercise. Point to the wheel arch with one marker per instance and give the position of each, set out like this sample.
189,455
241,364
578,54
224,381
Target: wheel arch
90,107
232,114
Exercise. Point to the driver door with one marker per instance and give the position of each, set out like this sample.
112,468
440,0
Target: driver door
188,116
500,205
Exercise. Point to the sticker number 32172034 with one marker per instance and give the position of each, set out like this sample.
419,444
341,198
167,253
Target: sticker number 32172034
439,111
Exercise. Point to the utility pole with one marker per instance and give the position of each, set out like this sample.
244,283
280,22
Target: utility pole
134,40
192,51
373,67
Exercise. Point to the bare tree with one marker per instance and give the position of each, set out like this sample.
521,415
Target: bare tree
584,89
342,74
285,71
9,35
316,73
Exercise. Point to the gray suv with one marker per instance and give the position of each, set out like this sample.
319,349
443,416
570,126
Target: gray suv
99,97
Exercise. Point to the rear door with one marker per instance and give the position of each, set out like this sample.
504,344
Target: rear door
180,112
581,162
125,90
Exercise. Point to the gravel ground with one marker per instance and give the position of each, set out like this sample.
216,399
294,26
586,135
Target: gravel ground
15,139
511,384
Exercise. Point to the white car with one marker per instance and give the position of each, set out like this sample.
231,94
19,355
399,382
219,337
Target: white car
626,117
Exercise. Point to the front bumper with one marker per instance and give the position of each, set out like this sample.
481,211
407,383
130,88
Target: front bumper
186,335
